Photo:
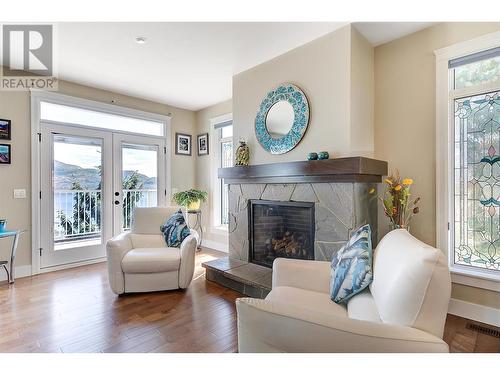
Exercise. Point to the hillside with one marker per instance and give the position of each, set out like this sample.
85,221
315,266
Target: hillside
89,178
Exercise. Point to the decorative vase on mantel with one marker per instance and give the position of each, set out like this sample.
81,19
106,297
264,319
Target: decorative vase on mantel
242,154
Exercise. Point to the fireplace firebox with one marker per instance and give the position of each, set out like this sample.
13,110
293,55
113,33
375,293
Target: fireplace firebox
280,230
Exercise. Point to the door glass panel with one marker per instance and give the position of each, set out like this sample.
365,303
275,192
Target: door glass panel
77,191
139,179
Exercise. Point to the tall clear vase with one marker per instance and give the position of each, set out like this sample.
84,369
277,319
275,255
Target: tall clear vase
397,226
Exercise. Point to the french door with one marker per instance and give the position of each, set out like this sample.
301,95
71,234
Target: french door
91,180
138,176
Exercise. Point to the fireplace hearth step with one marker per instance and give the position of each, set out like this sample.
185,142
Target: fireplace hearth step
247,278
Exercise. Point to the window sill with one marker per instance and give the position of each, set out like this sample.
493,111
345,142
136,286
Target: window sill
474,278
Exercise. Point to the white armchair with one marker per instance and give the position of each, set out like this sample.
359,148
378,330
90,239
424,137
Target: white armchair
404,310
139,261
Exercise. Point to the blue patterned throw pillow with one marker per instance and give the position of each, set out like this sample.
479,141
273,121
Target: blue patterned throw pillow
175,230
352,266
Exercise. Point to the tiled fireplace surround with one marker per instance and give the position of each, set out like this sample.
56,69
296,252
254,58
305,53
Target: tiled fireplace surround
339,206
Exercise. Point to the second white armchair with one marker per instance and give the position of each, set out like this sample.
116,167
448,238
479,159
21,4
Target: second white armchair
404,310
140,261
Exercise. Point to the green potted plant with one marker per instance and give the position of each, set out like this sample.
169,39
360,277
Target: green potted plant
191,198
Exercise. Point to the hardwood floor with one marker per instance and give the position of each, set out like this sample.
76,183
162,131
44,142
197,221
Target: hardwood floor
75,311
462,338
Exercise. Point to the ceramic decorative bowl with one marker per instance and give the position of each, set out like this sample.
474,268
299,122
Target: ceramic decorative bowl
323,155
312,156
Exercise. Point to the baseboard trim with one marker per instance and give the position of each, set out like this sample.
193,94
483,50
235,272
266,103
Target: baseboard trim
72,265
215,245
25,271
473,311
19,271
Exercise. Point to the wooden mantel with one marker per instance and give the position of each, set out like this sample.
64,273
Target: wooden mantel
352,169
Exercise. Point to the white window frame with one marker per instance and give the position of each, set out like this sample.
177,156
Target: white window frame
216,226
45,96
445,96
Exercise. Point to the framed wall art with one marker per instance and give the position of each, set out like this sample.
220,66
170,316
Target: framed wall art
5,154
183,144
203,144
5,130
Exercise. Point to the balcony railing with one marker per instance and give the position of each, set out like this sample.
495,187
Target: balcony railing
78,213
136,198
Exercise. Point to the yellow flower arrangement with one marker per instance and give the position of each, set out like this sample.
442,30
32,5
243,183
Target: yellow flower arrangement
407,181
398,206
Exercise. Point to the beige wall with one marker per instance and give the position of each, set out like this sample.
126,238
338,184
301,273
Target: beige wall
204,168
405,125
16,107
362,95
321,69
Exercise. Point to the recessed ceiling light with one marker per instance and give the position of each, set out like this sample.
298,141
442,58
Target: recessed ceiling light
140,40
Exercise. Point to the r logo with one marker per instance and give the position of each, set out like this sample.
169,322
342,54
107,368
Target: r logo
27,50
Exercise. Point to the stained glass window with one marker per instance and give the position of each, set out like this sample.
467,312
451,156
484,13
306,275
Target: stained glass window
477,181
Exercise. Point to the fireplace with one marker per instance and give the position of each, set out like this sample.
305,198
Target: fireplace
280,230
266,196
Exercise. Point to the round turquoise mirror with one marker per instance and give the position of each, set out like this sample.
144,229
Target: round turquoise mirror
282,119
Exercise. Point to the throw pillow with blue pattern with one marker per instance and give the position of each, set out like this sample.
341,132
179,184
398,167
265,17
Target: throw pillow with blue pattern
352,266
175,230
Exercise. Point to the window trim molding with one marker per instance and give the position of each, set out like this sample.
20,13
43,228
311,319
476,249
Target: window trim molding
215,217
444,177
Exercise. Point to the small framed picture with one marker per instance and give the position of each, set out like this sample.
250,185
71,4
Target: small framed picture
5,130
182,144
203,144
5,157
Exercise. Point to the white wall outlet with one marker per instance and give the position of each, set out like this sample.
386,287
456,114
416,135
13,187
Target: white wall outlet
19,193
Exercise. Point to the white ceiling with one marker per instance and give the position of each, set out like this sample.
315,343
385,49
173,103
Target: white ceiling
188,65
382,32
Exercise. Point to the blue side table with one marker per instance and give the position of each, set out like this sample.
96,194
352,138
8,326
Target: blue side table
10,271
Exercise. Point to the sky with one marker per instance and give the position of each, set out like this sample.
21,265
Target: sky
89,156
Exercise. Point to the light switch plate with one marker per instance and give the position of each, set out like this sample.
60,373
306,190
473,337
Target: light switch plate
19,193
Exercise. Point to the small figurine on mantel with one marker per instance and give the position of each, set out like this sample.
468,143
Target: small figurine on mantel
242,154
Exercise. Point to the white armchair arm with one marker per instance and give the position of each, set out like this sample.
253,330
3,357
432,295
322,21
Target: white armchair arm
116,248
264,326
303,274
188,250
